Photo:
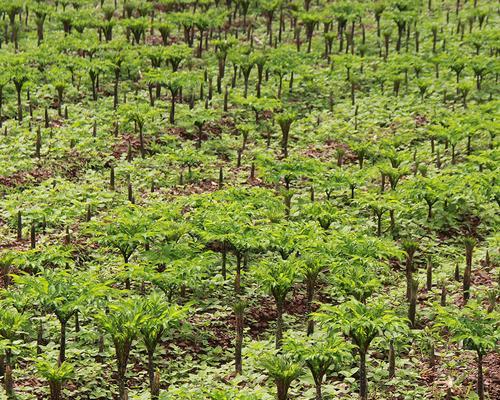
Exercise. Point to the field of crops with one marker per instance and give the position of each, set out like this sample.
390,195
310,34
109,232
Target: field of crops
249,199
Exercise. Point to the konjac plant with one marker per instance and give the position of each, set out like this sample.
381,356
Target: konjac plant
242,200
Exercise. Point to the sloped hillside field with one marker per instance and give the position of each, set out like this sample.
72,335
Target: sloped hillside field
249,200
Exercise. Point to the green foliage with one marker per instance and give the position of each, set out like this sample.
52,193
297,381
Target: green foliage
53,372
278,276
157,317
361,322
125,231
295,158
321,353
471,326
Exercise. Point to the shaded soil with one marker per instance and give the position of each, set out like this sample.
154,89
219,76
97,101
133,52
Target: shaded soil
20,178
328,151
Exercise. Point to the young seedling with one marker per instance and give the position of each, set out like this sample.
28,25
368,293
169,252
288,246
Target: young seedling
283,370
474,329
361,323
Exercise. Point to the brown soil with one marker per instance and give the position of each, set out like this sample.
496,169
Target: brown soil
328,151
203,186
121,147
35,176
